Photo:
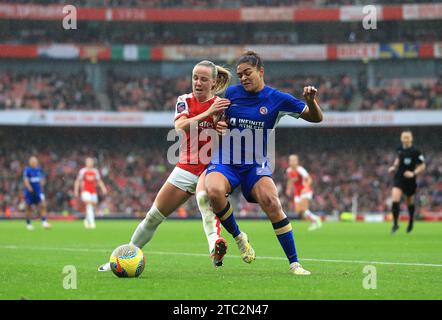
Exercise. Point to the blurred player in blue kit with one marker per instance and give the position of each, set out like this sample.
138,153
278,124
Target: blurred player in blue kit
34,180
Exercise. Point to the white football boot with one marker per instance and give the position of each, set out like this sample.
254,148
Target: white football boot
298,270
46,225
245,248
104,267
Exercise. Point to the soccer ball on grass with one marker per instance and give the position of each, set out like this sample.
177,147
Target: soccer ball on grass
127,261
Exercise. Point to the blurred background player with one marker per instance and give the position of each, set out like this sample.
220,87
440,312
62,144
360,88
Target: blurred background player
299,188
34,180
89,177
408,164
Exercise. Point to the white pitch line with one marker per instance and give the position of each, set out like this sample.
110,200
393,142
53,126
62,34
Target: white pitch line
411,264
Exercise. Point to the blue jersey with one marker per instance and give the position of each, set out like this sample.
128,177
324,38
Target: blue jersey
242,155
260,112
35,176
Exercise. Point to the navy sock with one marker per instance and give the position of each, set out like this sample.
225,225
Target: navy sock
284,233
228,220
28,221
43,219
395,210
411,209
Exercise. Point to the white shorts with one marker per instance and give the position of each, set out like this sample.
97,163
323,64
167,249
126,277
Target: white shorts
183,180
305,195
86,196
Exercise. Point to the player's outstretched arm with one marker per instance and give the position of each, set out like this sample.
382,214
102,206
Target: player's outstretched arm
42,182
102,186
77,187
419,169
307,182
289,187
394,167
313,112
27,184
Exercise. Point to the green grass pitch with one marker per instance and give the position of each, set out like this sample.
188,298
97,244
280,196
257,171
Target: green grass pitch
408,266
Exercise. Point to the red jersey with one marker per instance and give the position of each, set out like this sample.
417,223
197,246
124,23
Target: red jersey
89,178
189,158
297,176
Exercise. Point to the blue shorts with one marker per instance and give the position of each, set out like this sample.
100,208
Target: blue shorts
34,197
246,176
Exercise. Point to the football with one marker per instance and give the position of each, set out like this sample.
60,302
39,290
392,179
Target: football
127,261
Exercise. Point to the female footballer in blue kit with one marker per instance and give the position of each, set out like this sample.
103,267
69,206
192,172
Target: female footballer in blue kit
255,106
33,180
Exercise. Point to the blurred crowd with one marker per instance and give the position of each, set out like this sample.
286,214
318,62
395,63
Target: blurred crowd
134,177
55,91
135,93
216,3
340,178
117,33
46,91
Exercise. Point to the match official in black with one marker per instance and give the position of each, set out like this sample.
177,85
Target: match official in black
408,164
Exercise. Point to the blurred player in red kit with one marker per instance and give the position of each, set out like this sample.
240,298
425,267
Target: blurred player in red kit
89,178
299,188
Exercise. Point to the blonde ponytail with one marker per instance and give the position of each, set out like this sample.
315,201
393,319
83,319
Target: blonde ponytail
222,79
221,74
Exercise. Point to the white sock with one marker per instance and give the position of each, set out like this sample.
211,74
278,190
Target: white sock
90,215
210,222
311,216
145,230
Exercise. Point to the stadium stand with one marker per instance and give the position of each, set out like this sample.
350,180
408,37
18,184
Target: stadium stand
128,63
46,91
56,91
134,166
216,3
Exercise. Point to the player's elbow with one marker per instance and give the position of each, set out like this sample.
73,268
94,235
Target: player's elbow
319,117
181,126
316,118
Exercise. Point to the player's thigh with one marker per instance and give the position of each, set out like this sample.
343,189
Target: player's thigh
40,201
42,205
201,185
217,184
170,198
410,199
28,208
88,198
265,193
302,205
396,194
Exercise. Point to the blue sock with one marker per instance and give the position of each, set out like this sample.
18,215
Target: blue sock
284,233
228,220
43,219
28,221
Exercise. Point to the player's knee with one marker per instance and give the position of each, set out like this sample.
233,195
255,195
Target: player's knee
215,192
202,198
270,204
